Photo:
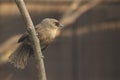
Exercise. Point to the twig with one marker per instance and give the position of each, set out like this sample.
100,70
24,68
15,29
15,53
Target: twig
92,28
6,49
73,6
36,43
70,16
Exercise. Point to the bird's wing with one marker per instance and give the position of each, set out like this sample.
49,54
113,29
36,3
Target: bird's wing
44,48
23,37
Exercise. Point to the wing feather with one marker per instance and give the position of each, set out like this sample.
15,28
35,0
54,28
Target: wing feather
23,37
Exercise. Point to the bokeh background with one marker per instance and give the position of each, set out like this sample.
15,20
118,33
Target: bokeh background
88,48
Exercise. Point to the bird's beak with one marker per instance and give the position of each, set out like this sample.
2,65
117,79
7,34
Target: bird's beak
61,25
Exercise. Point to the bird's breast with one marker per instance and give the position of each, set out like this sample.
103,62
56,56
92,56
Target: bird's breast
46,37
52,33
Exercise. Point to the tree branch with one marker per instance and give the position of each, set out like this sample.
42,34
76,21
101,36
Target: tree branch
6,49
35,40
75,11
93,28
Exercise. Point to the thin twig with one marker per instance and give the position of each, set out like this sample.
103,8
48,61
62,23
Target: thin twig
71,16
92,28
73,6
6,49
36,43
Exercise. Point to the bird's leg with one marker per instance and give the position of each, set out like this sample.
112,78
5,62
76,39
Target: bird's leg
42,56
36,34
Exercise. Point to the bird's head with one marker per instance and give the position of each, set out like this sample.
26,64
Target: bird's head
51,23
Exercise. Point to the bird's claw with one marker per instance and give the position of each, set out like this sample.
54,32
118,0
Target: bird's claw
42,56
36,34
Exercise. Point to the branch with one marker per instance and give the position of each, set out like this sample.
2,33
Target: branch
6,49
35,40
93,28
75,11
73,6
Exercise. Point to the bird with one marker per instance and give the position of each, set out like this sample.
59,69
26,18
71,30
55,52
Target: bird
46,33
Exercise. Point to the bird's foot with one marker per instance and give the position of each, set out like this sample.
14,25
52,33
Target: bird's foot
36,34
42,57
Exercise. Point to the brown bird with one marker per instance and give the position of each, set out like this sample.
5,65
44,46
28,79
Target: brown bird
46,31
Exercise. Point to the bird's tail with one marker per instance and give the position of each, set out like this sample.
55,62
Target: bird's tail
20,56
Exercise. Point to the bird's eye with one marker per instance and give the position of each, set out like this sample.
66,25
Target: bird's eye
57,24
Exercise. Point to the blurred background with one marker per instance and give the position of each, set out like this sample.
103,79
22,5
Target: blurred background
87,48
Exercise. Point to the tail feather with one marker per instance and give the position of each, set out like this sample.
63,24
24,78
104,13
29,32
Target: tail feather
20,56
